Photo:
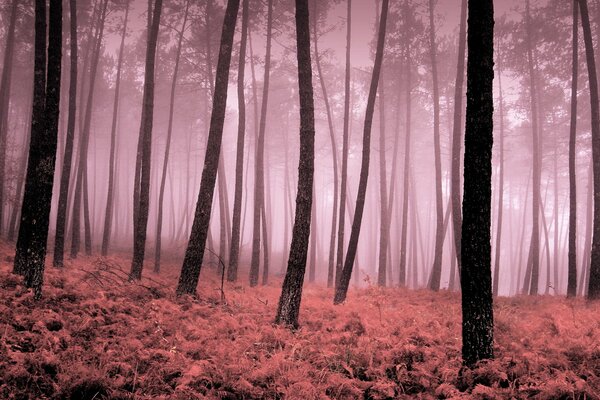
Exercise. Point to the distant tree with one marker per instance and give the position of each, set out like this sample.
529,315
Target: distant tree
61,215
476,277
572,255
234,253
288,308
498,248
594,280
192,263
341,289
108,215
145,137
35,215
5,84
344,173
163,179
259,174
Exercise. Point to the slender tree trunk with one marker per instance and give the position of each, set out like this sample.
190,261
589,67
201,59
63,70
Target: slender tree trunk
456,131
586,256
190,273
113,139
341,289
345,151
163,179
313,238
291,292
500,189
145,135
259,161
33,231
436,274
61,215
476,277
234,252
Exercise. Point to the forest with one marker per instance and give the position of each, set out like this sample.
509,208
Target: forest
307,199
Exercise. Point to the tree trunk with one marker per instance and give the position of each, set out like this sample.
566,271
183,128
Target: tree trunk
61,215
476,277
341,289
500,189
163,179
436,273
113,139
145,137
234,252
291,292
192,263
259,191
345,151
33,231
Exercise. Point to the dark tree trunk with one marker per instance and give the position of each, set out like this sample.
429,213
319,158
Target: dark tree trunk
234,252
108,215
572,255
500,189
5,84
436,272
535,236
61,215
594,281
80,192
163,179
476,277
345,150
33,231
585,258
192,263
341,289
291,292
456,131
145,137
259,174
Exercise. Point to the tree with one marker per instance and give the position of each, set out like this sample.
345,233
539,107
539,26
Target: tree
345,150
239,160
288,308
35,215
572,254
476,277
500,188
163,179
259,174
5,84
594,279
108,215
61,215
192,263
145,137
342,287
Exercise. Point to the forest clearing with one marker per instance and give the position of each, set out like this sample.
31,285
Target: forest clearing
94,335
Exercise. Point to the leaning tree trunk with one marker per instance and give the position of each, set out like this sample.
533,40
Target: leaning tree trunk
456,131
341,289
145,137
476,277
5,84
192,263
436,272
345,151
163,180
61,215
572,256
594,280
291,292
35,217
500,189
259,191
108,215
234,252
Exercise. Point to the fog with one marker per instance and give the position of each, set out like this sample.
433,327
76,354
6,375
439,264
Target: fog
547,33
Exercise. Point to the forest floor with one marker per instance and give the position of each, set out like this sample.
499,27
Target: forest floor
95,336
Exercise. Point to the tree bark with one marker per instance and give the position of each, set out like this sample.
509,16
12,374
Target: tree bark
341,289
291,292
145,137
192,263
